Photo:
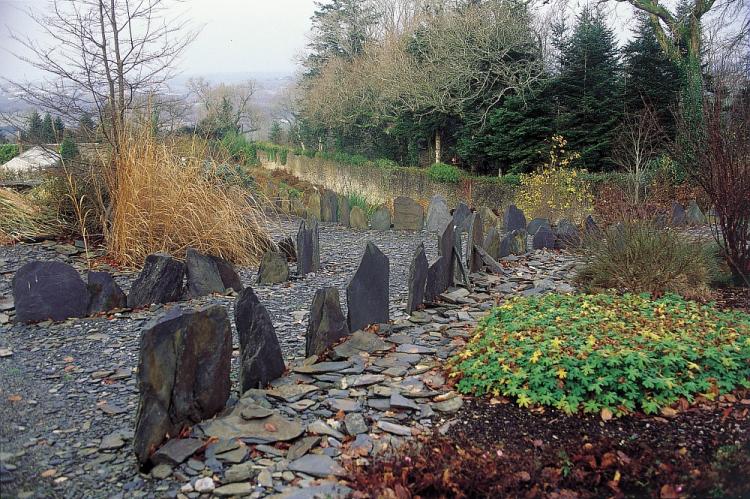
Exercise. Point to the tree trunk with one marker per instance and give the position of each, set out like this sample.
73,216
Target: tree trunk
438,146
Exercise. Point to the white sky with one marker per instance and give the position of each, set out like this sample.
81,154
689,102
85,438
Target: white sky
237,35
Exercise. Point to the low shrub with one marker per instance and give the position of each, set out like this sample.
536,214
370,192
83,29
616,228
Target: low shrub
68,149
274,153
640,257
8,152
387,164
603,352
440,172
239,149
22,218
359,199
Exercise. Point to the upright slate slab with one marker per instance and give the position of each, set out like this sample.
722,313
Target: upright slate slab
381,219
312,206
229,276
460,216
446,245
160,281
438,213
417,279
489,219
492,243
104,293
273,268
536,224
327,323
438,278
329,206
203,276
367,292
543,239
308,248
513,219
475,238
679,217
183,373
694,216
357,218
407,214
514,243
261,360
567,234
49,290
344,211
590,226
461,272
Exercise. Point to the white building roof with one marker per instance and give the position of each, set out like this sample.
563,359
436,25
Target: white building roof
36,158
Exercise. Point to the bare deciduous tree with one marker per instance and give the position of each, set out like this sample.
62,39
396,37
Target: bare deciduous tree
102,55
226,106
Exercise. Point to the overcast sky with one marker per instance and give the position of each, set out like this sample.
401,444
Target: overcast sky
237,35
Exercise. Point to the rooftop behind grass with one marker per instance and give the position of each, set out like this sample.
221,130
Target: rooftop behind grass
608,353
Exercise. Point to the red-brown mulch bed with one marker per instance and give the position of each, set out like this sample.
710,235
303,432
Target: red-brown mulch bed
736,298
502,450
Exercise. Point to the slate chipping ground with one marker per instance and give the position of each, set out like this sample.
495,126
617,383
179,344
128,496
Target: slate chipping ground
69,392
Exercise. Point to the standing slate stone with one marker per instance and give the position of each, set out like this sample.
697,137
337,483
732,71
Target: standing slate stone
446,245
357,218
344,211
327,323
475,237
489,219
273,268
104,293
437,213
308,248
461,273
312,203
544,238
367,292
536,224
415,284
514,243
679,216
261,360
329,206
567,234
203,276
438,278
694,216
183,373
229,277
160,281
460,216
590,226
514,219
407,214
49,290
492,243
381,219
286,247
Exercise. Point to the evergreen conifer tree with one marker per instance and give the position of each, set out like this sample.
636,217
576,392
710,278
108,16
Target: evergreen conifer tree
59,129
48,129
34,132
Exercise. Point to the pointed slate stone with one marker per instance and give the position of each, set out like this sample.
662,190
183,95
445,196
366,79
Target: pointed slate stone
104,293
358,219
475,238
329,207
536,224
679,217
460,214
203,276
308,248
417,279
183,373
567,234
160,281
513,243
49,290
344,211
312,203
694,216
327,324
492,243
273,268
261,360
489,219
446,247
381,219
367,292
514,219
439,278
229,277
438,214
407,214
544,238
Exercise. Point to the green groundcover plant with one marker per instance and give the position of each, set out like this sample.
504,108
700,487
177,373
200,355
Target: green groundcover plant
602,352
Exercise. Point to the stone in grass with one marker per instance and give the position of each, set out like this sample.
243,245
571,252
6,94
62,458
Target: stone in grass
273,268
308,248
381,219
543,239
104,293
438,214
367,292
694,216
160,281
312,203
49,290
407,214
679,216
567,234
460,216
344,211
327,323
357,218
261,360
491,243
183,373
514,219
417,279
536,224
229,276
329,206
203,276
286,247
475,238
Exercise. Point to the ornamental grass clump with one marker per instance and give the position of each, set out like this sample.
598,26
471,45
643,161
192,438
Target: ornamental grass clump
612,354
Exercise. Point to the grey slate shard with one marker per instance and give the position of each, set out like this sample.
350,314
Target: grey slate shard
679,217
329,206
544,238
514,243
438,214
488,261
514,219
536,223
492,243
49,290
308,248
439,278
475,238
160,281
229,276
327,323
694,216
567,234
261,360
203,276
367,292
104,293
460,216
183,373
381,219
407,214
273,268
344,211
417,279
